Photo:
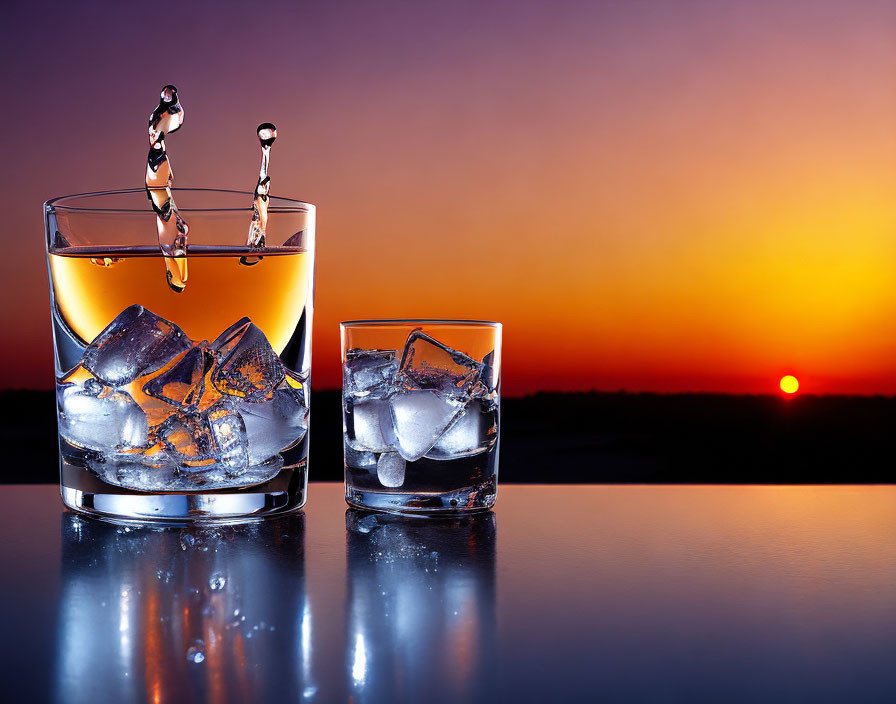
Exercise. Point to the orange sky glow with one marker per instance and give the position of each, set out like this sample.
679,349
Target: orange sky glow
648,198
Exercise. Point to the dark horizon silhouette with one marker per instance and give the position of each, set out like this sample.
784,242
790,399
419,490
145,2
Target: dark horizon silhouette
595,437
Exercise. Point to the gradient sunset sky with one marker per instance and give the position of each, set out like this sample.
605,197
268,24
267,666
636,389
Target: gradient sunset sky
666,196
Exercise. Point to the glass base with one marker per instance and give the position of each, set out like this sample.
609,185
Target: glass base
97,498
471,499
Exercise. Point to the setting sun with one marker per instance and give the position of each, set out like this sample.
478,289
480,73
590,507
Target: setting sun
789,384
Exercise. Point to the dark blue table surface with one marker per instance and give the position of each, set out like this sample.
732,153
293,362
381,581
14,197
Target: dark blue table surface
625,593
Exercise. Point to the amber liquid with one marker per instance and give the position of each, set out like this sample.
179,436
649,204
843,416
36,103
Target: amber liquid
92,286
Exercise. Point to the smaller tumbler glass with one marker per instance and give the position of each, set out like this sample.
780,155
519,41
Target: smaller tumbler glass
421,414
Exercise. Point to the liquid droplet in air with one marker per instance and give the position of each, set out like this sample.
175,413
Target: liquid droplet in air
267,133
196,652
167,117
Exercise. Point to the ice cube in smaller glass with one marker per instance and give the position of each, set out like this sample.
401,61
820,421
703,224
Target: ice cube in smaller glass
426,363
369,372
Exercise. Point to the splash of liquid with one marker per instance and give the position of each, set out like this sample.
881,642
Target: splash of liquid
165,119
267,133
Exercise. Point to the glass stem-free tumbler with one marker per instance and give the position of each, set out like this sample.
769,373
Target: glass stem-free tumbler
421,414
190,401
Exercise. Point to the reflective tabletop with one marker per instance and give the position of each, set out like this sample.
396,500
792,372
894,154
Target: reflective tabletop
625,593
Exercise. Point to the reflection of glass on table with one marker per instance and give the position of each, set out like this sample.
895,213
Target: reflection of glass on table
170,614
421,607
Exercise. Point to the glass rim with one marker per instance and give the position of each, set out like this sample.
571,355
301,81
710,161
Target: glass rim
284,203
395,322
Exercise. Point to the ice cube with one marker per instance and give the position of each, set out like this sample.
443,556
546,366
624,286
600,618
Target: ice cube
188,438
224,343
368,372
357,522
132,475
156,410
209,476
474,432
107,420
156,455
419,418
136,343
231,444
368,425
273,425
426,363
298,383
184,383
390,469
359,459
210,395
488,381
93,387
247,365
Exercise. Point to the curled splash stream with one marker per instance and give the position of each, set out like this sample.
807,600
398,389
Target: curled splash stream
267,133
166,118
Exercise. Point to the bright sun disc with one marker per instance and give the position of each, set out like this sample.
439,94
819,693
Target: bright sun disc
789,384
